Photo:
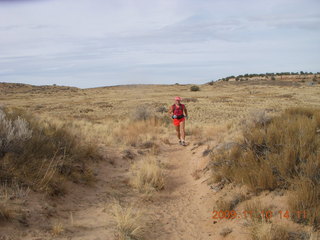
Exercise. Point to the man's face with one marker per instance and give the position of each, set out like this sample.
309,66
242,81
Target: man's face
177,101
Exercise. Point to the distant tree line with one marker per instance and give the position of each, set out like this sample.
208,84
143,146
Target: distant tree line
267,75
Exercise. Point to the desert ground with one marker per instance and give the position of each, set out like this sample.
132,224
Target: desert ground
139,183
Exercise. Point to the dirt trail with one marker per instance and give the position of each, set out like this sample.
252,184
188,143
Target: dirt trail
183,209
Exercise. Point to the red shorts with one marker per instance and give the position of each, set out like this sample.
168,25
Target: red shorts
177,122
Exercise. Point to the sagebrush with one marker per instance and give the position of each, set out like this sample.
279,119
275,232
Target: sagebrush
281,152
40,154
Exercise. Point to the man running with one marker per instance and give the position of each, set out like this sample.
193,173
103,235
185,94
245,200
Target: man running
177,111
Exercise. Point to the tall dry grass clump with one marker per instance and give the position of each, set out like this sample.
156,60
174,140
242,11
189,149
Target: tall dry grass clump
147,175
136,133
40,154
129,222
142,128
279,152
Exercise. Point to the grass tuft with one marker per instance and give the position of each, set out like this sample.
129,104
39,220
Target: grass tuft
129,222
147,175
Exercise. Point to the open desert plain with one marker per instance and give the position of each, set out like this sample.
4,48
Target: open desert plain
105,163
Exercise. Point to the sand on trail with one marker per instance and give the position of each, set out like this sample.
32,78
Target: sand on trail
181,211
184,209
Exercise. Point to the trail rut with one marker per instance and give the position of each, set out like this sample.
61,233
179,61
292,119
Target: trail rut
183,209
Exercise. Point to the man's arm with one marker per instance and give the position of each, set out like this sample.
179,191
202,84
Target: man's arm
170,111
185,111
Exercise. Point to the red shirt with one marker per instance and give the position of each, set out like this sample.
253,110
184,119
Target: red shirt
177,110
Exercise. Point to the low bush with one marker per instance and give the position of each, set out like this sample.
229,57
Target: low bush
40,154
161,109
13,134
194,88
141,113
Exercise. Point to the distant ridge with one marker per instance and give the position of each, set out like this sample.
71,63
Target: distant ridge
282,76
28,88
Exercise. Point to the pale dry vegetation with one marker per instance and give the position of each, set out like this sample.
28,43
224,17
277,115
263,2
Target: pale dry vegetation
42,155
57,229
141,133
229,203
270,231
256,211
56,140
129,222
147,175
279,153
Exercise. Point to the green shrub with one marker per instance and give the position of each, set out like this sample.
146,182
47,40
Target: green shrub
194,88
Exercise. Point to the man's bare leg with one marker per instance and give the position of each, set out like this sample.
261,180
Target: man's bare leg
183,133
178,132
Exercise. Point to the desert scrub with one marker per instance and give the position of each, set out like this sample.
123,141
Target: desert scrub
141,112
147,175
272,231
129,222
13,134
279,152
40,154
137,132
194,88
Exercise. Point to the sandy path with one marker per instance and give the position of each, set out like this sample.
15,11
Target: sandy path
183,209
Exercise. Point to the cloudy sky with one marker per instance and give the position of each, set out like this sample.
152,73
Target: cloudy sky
89,43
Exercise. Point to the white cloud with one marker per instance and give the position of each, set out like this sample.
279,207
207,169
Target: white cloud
123,41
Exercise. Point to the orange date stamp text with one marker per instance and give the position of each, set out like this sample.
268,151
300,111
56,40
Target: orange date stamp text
265,214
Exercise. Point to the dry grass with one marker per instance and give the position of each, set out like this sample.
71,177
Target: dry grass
272,231
141,112
129,222
268,231
282,152
10,211
12,197
57,229
111,105
138,133
49,156
105,115
314,235
147,175
304,201
228,203
6,211
14,190
196,131
255,211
